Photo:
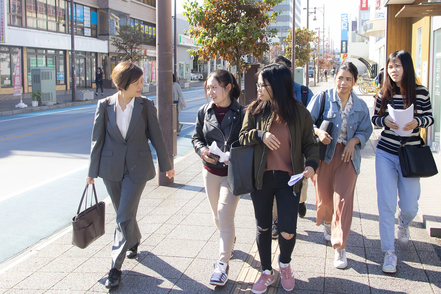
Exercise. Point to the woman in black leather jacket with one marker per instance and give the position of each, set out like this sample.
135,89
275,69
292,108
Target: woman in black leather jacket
219,121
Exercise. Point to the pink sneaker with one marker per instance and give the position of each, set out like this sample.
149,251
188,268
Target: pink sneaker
286,276
266,279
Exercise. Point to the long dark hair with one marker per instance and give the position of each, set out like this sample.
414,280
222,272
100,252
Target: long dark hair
408,82
282,102
224,77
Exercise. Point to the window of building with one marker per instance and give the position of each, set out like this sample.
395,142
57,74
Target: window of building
15,13
85,20
147,28
148,2
8,59
47,58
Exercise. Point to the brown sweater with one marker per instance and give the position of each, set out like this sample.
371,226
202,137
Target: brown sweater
280,159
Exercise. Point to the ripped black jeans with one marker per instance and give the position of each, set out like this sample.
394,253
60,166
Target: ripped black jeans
275,184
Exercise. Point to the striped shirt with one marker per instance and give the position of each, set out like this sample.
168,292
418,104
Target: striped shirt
390,141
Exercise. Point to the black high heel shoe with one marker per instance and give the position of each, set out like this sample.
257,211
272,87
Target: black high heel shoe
132,252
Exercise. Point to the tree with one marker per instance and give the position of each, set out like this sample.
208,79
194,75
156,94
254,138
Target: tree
231,29
276,50
304,37
127,42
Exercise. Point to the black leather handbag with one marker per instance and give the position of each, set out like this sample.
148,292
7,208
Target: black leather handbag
416,161
88,225
240,169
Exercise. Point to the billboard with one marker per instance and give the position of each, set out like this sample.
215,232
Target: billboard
344,32
364,5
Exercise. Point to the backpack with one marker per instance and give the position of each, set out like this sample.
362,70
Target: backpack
305,91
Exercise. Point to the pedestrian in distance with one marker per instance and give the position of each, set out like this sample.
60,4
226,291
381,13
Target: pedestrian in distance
121,156
178,99
304,95
219,121
280,129
99,81
336,177
399,90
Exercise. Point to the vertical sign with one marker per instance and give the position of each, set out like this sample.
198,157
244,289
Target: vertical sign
344,33
2,21
378,5
153,70
364,5
17,75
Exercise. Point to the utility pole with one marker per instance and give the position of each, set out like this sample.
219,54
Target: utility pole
72,52
164,89
175,59
293,46
307,27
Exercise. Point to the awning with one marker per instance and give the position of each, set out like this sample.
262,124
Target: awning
375,27
370,64
421,10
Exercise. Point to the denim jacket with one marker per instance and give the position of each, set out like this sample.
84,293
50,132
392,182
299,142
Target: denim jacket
358,125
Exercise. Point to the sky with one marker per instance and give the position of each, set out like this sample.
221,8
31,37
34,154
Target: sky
333,10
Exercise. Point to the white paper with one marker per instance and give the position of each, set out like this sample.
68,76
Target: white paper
401,118
294,179
215,150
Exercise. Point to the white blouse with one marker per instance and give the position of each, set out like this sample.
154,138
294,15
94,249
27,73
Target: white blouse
123,117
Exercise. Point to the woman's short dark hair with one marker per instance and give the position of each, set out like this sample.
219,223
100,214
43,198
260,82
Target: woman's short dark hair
224,77
407,85
124,74
350,67
283,103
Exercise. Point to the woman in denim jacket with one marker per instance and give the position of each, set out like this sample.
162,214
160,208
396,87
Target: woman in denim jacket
336,177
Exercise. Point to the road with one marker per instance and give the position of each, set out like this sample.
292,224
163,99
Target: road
43,164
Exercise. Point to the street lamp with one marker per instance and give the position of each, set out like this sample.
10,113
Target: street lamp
307,27
323,40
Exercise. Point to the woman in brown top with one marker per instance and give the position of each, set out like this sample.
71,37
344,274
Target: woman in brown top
280,129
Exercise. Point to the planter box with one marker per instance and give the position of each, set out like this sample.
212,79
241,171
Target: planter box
34,103
85,95
146,89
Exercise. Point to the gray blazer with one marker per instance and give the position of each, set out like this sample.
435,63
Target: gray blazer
110,151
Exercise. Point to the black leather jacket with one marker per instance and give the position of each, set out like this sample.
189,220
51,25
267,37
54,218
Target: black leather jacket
208,129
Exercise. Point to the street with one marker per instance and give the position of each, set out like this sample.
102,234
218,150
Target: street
43,164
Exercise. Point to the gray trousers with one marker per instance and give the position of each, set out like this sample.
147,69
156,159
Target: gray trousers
125,196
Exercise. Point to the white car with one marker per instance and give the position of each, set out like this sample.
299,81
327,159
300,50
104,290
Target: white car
195,76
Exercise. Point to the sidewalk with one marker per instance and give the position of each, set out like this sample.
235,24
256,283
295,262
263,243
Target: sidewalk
180,243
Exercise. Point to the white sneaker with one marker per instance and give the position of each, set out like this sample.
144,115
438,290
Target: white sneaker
403,234
390,262
340,260
327,232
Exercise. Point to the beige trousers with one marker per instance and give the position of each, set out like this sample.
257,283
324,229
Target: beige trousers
223,206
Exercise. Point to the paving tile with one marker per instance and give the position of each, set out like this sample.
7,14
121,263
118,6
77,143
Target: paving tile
168,267
32,264
135,284
307,283
350,284
24,291
12,277
184,248
94,265
63,265
193,232
77,281
199,287
398,285
40,281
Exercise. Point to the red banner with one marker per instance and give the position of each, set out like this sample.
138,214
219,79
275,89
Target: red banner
17,76
364,5
378,5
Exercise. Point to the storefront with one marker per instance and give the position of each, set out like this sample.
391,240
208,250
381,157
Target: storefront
435,82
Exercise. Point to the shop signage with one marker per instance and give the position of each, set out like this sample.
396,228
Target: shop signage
378,5
154,70
364,5
17,75
186,41
2,21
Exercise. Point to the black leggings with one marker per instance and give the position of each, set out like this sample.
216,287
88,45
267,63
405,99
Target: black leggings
275,184
99,84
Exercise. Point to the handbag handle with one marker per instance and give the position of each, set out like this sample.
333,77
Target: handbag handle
404,140
84,194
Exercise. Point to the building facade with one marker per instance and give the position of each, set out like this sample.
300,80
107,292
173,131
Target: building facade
41,30
284,20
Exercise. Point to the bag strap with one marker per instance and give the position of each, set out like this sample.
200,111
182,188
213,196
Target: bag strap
304,93
322,104
85,196
404,140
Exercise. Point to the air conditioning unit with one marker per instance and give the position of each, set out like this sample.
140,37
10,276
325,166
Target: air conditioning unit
43,80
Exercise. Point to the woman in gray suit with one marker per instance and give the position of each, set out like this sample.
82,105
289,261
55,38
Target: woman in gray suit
121,156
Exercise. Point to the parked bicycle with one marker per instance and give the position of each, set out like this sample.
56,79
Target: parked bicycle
367,86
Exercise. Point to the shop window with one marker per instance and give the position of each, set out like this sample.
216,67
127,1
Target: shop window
31,14
8,58
41,14
148,2
49,58
15,13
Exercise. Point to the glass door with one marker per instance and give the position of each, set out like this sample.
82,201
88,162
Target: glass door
436,92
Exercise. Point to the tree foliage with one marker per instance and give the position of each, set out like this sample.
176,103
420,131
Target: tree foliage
127,42
231,29
303,49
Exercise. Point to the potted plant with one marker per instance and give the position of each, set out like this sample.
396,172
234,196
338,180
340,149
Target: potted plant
36,98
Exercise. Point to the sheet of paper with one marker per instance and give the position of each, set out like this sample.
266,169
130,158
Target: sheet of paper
215,150
294,179
401,117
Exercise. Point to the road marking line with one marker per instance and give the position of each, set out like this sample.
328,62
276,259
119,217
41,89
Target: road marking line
15,137
195,99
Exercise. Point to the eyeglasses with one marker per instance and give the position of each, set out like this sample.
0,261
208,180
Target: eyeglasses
260,86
